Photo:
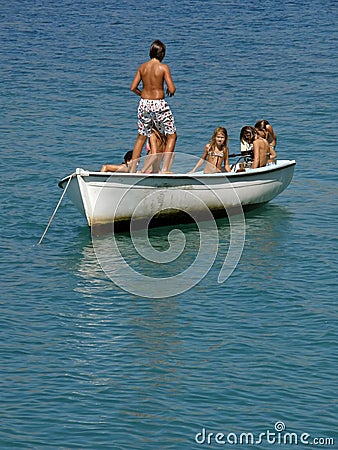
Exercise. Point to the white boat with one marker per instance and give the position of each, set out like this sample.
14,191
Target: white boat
105,198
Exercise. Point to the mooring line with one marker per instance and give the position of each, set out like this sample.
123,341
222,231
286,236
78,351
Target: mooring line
57,207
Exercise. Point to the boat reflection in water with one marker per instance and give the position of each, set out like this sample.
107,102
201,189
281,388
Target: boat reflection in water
140,201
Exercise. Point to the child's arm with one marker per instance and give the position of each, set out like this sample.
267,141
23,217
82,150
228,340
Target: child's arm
198,164
135,83
255,162
169,81
273,154
272,134
226,161
201,160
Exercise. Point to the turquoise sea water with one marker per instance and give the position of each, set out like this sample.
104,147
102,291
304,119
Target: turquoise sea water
84,364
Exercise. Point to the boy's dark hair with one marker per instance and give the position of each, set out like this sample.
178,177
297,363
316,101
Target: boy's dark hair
157,50
128,156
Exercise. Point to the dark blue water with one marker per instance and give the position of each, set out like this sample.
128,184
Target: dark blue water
87,365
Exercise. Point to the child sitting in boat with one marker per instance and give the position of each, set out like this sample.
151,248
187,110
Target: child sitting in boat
123,167
155,147
265,130
270,132
216,153
260,146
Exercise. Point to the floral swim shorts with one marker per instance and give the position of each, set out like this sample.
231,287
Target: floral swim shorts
155,112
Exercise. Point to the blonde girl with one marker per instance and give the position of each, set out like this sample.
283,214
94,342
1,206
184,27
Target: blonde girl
216,153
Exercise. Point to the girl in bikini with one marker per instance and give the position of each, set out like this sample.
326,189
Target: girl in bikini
265,130
260,146
270,133
216,153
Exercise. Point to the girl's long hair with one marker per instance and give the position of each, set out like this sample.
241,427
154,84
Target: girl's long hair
261,124
248,134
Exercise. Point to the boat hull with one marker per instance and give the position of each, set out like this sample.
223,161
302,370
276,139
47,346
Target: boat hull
121,197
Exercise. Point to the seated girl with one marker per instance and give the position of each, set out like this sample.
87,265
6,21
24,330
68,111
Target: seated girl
270,133
216,153
260,146
261,132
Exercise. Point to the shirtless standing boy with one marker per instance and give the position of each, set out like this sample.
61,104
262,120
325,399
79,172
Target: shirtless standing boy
153,109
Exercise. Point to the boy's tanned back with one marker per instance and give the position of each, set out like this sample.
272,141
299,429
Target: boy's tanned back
153,74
